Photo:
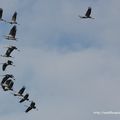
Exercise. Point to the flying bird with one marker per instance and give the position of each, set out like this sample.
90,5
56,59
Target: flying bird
9,51
14,17
20,92
9,62
87,14
32,106
6,77
1,14
12,33
8,85
25,97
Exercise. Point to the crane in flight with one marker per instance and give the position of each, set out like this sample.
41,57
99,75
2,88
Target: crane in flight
9,51
12,34
87,14
20,92
25,97
32,106
8,85
13,20
9,62
6,77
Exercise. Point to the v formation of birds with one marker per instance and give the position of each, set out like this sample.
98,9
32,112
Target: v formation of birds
7,81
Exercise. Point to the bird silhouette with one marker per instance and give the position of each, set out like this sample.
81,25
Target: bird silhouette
9,51
32,106
87,14
20,92
25,97
13,20
6,77
14,17
8,85
9,62
12,33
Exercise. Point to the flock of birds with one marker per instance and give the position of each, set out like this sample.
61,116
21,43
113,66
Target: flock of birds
7,81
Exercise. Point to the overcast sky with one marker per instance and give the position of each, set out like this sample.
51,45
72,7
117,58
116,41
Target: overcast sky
70,66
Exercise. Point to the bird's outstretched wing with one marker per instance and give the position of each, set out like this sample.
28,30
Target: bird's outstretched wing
88,12
4,66
1,13
20,92
8,52
22,100
28,109
13,31
14,17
